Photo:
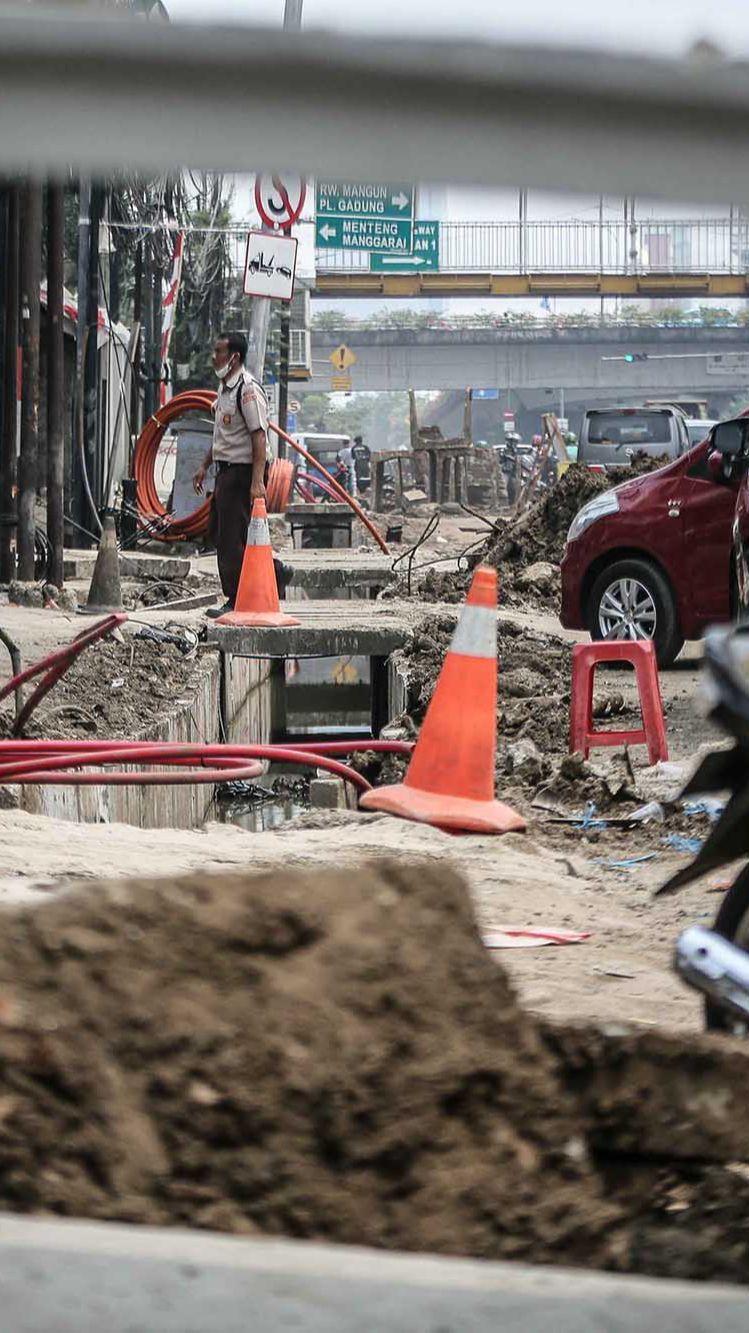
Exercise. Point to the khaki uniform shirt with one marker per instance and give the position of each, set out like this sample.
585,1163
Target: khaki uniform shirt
231,428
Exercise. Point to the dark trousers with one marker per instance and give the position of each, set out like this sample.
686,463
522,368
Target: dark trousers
230,517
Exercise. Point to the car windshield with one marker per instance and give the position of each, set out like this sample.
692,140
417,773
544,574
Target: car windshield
633,429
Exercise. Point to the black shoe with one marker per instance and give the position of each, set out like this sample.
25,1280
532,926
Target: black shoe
284,576
215,611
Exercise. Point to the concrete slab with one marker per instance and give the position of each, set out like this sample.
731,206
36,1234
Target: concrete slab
324,571
135,565
332,629
77,1277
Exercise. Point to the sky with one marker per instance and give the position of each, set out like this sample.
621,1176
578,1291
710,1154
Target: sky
658,27
650,27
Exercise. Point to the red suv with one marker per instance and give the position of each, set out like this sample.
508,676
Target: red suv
652,558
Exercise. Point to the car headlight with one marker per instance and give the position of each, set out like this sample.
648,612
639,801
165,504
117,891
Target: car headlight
608,503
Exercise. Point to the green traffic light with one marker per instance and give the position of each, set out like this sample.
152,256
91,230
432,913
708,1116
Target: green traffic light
629,356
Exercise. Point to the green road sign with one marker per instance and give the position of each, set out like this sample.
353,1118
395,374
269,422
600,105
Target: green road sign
425,253
336,199
374,234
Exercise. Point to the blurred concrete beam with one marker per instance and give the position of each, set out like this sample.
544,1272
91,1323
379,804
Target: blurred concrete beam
103,92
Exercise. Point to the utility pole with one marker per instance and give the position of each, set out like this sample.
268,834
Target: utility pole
260,313
9,442
283,374
31,272
135,390
55,379
93,468
150,396
78,507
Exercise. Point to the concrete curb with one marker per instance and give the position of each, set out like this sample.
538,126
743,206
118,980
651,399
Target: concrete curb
83,1277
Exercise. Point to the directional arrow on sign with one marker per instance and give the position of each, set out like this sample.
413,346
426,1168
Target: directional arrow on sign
400,200
328,233
398,261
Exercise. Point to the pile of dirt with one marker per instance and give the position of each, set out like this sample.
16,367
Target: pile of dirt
533,683
311,1055
532,715
115,690
538,535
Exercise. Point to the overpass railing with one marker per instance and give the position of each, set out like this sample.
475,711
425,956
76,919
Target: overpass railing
719,245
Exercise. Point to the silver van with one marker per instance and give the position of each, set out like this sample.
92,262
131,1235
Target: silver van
611,435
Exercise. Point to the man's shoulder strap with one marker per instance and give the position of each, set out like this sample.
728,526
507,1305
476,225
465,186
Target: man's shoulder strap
247,378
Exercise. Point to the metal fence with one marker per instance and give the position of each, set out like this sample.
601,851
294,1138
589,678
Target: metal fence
704,246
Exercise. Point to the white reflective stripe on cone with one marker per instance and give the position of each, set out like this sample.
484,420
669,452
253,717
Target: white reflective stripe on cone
258,533
476,632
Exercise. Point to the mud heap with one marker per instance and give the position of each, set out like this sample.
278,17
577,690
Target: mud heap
115,690
533,687
310,1055
527,549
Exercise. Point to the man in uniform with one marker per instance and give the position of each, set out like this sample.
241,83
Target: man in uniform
239,450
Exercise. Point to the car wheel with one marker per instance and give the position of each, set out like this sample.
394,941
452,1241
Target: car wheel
631,600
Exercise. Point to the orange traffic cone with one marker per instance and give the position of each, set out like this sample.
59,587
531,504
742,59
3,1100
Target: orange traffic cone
257,597
450,780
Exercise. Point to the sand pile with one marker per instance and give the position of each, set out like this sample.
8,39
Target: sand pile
309,1055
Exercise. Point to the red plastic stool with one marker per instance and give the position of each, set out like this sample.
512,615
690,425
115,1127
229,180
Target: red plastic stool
641,654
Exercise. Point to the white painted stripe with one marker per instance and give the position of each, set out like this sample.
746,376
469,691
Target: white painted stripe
476,632
258,533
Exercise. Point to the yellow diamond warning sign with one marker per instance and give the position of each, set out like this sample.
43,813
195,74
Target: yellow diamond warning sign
342,359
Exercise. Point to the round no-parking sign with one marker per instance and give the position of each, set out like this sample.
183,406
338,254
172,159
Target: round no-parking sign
280,199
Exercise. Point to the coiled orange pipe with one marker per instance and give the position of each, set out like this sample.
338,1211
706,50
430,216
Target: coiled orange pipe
195,525
151,508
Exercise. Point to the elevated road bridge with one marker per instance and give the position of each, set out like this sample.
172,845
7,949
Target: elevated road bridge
587,363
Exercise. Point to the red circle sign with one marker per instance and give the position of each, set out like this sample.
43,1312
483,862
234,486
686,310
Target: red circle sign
279,200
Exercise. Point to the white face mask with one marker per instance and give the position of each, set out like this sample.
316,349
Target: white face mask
223,371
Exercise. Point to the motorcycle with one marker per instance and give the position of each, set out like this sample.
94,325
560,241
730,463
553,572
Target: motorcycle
716,961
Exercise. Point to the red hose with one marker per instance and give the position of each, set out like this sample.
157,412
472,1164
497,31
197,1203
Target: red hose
307,494
50,768
339,490
55,665
66,654
16,749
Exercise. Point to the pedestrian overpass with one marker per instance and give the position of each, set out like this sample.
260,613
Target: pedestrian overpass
647,258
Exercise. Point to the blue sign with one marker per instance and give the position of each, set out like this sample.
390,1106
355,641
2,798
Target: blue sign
478,394
291,422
